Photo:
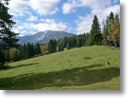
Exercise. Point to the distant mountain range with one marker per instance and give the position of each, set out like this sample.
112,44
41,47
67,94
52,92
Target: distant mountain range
44,37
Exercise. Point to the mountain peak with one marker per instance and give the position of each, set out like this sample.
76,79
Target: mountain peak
44,37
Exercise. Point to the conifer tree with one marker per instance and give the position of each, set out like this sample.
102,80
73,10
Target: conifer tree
52,46
96,36
7,36
6,23
37,49
79,41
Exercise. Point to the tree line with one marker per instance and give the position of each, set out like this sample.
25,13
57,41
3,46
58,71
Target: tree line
20,52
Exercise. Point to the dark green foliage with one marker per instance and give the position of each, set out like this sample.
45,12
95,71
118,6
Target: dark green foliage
74,41
79,41
30,50
87,39
52,46
64,42
7,36
6,24
96,36
6,55
37,49
23,51
83,39
68,45
19,53
60,46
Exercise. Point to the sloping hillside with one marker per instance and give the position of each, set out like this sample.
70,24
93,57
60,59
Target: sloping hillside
92,67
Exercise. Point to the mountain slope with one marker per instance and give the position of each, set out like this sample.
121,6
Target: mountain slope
44,37
80,68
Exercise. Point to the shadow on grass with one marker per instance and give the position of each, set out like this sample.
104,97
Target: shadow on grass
22,65
87,58
94,66
70,77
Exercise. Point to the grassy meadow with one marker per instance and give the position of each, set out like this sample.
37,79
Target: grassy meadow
86,68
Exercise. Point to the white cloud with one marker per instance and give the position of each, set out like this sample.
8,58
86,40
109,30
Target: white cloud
18,7
49,7
94,4
46,24
70,6
23,29
84,24
32,18
50,24
67,8
44,7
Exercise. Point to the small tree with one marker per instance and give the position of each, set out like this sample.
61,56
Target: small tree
44,49
52,46
14,54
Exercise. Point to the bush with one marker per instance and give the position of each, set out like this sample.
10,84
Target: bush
14,54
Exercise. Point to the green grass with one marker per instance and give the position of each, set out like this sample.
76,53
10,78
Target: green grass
83,68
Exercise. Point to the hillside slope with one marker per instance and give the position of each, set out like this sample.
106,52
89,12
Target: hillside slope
80,68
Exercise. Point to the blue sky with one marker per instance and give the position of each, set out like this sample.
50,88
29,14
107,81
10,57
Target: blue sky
73,16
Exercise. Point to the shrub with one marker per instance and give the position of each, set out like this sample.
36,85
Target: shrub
14,54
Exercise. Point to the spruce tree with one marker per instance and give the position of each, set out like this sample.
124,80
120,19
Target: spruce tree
7,36
88,39
96,36
29,50
79,41
60,45
25,56
73,41
37,49
6,23
52,46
